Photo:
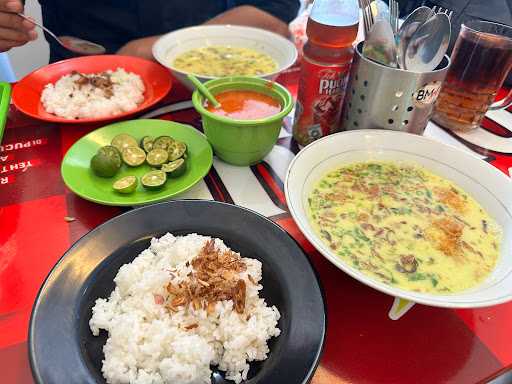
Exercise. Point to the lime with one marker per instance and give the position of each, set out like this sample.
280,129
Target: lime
154,179
163,142
123,140
111,151
104,165
133,156
157,157
146,143
125,185
177,150
175,168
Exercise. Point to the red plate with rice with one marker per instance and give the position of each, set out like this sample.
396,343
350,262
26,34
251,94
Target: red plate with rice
27,93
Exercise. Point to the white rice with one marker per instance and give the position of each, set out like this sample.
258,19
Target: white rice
147,344
67,99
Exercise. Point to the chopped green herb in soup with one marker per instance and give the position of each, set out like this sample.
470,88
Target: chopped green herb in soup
220,61
405,226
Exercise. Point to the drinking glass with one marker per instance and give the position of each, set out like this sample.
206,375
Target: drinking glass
481,60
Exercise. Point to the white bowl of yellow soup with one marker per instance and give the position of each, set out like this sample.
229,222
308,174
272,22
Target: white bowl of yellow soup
214,51
407,215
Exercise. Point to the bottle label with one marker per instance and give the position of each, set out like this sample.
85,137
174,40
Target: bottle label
319,100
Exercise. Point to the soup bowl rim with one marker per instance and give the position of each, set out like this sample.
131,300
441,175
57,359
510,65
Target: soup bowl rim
161,47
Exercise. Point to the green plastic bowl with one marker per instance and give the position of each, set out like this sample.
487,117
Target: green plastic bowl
5,98
243,142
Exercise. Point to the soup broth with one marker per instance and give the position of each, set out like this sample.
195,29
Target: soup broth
405,226
245,105
221,61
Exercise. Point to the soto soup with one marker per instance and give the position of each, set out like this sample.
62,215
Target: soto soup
221,61
405,226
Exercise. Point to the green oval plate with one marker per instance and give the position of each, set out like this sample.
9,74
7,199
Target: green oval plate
81,180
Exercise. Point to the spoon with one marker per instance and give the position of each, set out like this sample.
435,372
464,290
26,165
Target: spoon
428,44
203,90
417,18
380,44
73,44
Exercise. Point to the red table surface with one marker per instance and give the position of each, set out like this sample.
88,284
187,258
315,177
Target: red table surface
427,345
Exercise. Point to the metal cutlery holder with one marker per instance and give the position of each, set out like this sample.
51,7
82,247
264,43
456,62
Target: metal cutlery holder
390,98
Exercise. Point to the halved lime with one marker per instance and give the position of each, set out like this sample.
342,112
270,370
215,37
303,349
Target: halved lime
157,157
133,156
146,143
123,140
175,168
154,179
104,165
163,142
125,185
177,150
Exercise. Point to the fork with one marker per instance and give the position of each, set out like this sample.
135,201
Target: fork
394,13
368,19
438,9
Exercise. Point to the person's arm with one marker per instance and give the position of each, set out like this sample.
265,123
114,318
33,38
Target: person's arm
247,15
14,31
251,16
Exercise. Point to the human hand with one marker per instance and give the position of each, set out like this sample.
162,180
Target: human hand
140,47
14,30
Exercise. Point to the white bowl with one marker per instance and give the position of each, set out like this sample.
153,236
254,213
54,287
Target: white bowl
491,188
175,43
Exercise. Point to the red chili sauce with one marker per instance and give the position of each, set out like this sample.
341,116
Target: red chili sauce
245,105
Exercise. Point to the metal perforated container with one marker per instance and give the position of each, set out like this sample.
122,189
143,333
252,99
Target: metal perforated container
390,98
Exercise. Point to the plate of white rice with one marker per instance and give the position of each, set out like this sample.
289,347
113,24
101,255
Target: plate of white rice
94,95
168,293
91,89
172,336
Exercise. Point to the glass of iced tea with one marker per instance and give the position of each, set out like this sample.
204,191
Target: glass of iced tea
481,60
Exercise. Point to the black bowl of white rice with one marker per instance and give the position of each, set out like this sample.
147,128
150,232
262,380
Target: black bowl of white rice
183,292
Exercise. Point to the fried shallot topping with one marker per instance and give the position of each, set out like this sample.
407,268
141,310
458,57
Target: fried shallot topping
215,278
452,198
102,81
446,234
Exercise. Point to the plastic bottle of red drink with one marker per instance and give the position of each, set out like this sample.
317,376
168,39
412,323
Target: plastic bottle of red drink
331,30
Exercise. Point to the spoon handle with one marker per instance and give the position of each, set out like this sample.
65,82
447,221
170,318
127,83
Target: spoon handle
202,89
42,27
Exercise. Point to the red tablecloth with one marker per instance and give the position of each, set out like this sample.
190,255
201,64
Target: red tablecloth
427,345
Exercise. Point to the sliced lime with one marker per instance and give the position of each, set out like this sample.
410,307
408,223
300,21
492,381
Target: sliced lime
177,150
163,142
125,185
154,179
105,165
175,168
157,157
133,156
123,140
146,143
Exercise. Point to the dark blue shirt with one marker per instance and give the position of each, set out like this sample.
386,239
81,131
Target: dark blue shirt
113,23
